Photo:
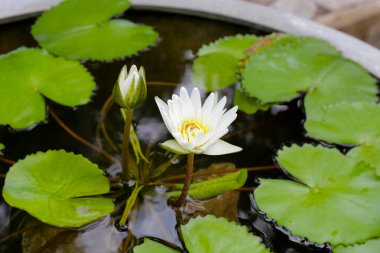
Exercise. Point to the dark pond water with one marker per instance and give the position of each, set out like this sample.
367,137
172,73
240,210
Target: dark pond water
169,61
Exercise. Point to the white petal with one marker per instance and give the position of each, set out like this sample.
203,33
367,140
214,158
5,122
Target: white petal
227,118
173,146
187,106
165,114
196,98
221,148
207,106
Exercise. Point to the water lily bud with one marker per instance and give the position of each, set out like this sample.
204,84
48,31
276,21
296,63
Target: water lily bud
130,89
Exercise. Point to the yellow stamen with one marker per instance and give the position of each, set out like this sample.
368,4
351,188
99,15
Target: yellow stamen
190,129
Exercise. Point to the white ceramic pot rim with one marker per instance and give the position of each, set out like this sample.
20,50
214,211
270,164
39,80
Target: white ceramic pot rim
235,11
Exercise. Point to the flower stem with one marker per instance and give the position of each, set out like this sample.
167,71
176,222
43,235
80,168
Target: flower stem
189,176
125,151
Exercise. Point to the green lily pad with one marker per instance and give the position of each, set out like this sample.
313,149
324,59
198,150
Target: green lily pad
347,123
210,234
56,186
294,65
247,104
149,246
213,187
2,147
371,246
217,64
27,74
81,29
369,154
337,201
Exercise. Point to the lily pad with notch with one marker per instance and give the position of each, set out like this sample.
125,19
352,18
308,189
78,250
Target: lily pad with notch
56,187
28,75
210,234
81,29
293,65
335,199
370,246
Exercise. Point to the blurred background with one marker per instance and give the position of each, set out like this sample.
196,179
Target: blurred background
360,18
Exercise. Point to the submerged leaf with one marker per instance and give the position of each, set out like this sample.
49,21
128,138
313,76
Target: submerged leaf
213,187
217,65
371,246
337,201
55,187
210,234
82,29
293,65
27,74
150,246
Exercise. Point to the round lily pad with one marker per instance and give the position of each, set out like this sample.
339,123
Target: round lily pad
369,154
337,200
28,75
81,29
347,123
247,104
56,187
217,64
210,234
150,246
293,65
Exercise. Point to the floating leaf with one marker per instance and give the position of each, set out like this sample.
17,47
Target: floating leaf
27,74
292,65
217,65
369,154
2,147
82,29
210,234
337,201
213,187
54,187
247,104
371,246
347,123
149,246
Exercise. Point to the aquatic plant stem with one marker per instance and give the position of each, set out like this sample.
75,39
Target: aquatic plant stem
82,140
7,161
130,203
125,151
189,176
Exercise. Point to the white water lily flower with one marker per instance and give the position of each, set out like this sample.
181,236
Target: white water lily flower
197,129
130,89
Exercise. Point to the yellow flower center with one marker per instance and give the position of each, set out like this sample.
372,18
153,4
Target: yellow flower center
191,128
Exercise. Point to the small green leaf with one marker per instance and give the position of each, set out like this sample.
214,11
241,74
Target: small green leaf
2,147
210,234
325,207
27,74
150,246
369,154
81,29
213,187
55,187
217,65
247,104
347,123
292,65
370,246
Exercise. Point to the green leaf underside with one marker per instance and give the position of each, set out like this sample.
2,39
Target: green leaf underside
347,123
55,187
82,30
214,187
292,65
371,246
150,246
210,234
369,154
247,104
217,64
27,74
338,202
